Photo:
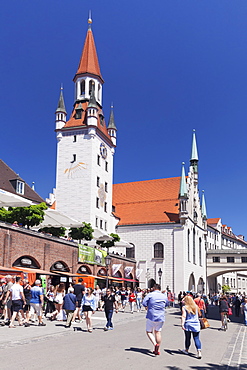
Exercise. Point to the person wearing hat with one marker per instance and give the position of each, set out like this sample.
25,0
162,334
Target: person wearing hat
37,300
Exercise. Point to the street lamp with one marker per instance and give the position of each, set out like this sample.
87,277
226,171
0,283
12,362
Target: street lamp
160,272
107,262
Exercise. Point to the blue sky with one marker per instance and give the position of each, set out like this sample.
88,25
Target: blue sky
168,66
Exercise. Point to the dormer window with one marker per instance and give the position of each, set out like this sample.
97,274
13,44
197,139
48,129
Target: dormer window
78,111
20,187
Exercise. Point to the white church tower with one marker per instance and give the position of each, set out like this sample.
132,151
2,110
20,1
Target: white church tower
85,148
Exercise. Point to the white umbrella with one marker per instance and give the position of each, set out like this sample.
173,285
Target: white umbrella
8,199
55,218
122,243
105,238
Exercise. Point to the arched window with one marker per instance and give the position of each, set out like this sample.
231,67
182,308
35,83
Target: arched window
82,86
158,250
98,91
91,85
130,251
188,245
200,251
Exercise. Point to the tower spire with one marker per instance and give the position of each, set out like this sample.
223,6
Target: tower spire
112,129
204,210
61,105
61,113
183,185
89,63
194,153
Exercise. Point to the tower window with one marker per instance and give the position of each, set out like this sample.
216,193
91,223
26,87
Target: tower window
101,224
105,207
98,179
106,187
98,159
74,141
105,226
91,85
82,86
98,91
74,158
106,166
97,202
96,222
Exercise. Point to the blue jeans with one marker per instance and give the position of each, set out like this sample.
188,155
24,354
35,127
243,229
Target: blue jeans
245,317
139,303
108,315
196,339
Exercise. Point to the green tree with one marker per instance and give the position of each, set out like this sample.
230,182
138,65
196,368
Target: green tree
84,232
225,288
55,231
109,243
27,216
5,215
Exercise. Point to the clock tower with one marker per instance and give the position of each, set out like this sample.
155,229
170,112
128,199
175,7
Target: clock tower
85,148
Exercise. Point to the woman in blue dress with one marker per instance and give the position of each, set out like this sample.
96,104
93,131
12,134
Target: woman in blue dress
191,325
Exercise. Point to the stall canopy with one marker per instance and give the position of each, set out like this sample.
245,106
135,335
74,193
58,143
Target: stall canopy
54,218
10,271
35,271
66,273
8,199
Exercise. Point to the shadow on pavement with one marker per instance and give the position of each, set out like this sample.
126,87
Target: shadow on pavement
208,366
144,351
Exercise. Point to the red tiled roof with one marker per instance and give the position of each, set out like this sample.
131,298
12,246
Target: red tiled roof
212,221
89,60
82,122
147,202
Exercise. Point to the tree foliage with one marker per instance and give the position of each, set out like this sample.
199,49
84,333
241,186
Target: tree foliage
55,231
84,232
226,288
26,216
109,243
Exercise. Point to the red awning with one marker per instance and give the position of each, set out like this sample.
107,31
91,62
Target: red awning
35,271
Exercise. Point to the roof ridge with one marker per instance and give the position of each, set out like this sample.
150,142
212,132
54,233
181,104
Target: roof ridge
135,182
149,201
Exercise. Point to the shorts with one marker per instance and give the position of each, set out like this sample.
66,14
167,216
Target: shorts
78,303
37,308
86,308
26,308
9,303
17,305
153,325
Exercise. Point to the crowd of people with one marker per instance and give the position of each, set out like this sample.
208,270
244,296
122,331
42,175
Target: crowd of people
19,301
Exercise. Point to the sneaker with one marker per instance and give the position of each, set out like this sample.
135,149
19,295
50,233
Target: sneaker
184,351
110,328
199,354
26,324
41,324
105,328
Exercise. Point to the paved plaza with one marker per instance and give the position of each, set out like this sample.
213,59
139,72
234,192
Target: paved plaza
126,347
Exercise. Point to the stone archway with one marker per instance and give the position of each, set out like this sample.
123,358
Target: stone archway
191,284
200,285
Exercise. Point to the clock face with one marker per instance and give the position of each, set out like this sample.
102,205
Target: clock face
74,169
103,151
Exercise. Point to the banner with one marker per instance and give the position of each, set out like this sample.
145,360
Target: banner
127,271
115,268
91,255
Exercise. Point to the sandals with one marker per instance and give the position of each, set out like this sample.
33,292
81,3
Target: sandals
90,330
156,349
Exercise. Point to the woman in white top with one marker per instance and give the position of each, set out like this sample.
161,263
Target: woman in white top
58,300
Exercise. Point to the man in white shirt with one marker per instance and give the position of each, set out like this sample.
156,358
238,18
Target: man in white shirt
18,300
